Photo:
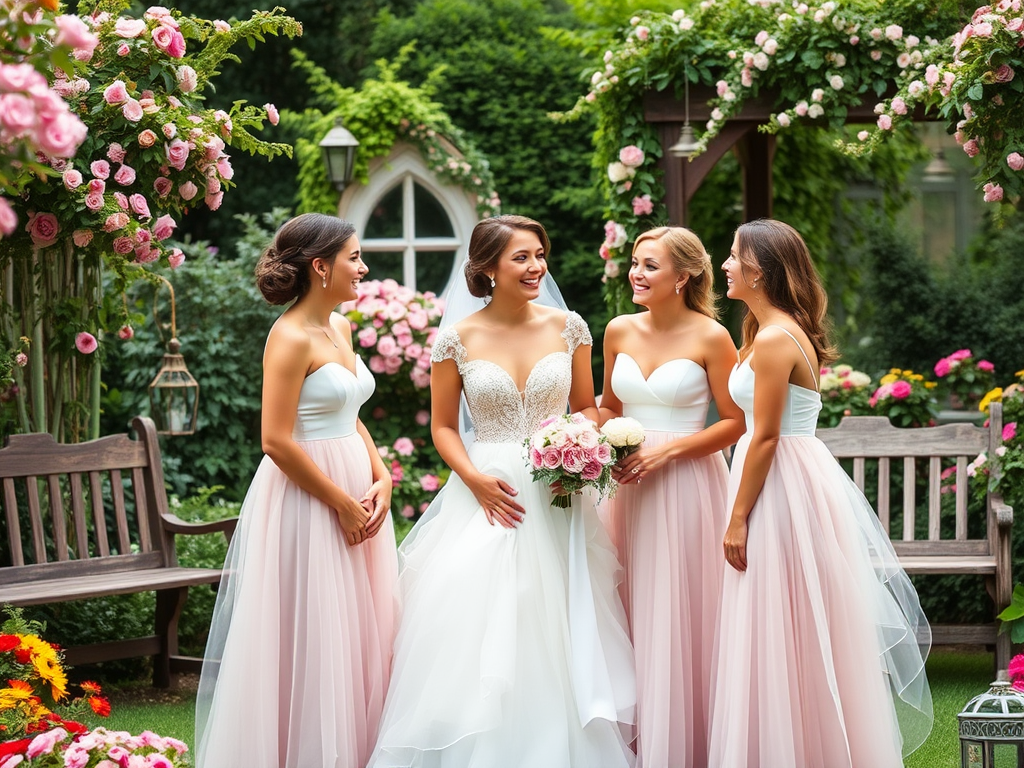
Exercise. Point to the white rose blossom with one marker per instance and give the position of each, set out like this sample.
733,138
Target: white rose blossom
619,172
624,432
815,110
836,82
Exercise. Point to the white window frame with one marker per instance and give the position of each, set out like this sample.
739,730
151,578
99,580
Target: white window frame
405,167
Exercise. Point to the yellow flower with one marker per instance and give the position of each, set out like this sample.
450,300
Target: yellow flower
889,378
1019,373
915,377
994,395
930,385
47,664
18,692
897,371
908,373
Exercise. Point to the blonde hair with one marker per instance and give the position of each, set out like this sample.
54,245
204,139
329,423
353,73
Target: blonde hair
789,282
688,258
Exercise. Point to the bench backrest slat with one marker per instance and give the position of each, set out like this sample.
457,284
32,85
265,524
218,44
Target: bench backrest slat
78,516
935,468
13,524
72,568
77,506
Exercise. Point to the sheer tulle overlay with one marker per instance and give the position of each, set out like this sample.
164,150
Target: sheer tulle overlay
486,672
821,642
669,531
298,659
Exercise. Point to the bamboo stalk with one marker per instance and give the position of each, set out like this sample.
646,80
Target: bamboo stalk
37,358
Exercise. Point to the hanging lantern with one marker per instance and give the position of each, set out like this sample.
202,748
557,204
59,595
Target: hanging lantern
174,392
993,723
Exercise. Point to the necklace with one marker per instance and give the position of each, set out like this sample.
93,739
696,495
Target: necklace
329,337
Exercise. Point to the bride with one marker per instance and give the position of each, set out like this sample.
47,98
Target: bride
512,648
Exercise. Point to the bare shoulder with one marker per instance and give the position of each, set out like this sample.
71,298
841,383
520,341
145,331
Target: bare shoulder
287,341
341,324
713,331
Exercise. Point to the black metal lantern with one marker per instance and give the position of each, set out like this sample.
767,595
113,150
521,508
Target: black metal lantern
174,392
339,152
992,724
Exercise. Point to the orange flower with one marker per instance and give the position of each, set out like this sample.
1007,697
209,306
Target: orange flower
50,5
90,688
100,705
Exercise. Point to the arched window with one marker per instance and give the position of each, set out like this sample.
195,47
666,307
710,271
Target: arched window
412,228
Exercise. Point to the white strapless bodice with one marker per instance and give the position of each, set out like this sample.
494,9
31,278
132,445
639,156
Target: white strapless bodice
330,399
800,416
674,398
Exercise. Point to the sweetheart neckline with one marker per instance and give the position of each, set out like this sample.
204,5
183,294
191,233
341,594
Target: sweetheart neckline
354,374
520,392
657,368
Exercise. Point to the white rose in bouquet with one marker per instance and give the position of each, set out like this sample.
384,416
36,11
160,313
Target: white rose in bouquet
624,434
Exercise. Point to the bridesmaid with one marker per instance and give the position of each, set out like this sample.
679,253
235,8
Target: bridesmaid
663,367
820,630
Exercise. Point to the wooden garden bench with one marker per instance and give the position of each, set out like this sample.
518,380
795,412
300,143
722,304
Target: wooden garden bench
951,545
90,520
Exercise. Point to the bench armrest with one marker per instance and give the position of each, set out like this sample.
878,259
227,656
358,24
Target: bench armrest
175,524
1002,510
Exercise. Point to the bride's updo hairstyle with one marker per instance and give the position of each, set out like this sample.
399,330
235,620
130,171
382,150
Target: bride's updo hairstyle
283,271
688,257
489,240
788,281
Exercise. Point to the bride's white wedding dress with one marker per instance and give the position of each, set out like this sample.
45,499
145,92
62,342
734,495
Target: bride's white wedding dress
512,649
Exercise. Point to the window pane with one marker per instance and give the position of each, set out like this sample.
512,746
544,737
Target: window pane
431,219
386,217
384,264
433,268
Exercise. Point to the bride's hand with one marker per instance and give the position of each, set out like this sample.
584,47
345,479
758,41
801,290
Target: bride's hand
496,498
638,465
354,518
377,501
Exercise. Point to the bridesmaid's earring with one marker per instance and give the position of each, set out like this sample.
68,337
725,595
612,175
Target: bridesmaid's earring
492,283
677,290
754,285
324,283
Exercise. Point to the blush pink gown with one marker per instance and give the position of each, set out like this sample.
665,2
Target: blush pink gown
299,655
669,531
821,641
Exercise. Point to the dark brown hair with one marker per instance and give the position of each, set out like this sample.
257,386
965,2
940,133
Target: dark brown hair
282,272
788,281
688,258
489,240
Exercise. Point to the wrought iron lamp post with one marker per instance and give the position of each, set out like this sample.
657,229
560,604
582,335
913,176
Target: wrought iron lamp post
174,392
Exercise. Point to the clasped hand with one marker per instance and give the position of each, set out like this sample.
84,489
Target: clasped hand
362,519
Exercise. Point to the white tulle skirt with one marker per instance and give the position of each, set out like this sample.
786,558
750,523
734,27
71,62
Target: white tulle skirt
819,659
512,650
299,653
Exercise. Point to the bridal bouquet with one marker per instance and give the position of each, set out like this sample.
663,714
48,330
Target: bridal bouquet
570,450
625,435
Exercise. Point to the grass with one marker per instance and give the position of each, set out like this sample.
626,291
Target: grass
955,678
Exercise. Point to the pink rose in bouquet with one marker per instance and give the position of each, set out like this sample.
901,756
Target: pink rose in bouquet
571,451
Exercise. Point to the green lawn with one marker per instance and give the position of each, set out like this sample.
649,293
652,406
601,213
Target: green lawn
955,679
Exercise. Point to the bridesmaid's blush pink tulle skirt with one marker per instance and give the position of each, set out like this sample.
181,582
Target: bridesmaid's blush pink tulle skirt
821,642
299,654
669,531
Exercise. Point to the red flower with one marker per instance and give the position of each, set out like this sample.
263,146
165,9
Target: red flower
91,688
74,728
18,747
9,642
23,655
100,705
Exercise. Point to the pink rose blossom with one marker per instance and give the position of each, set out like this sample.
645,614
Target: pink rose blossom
94,200
404,446
123,245
985,365
272,114
147,138
121,199
21,359
592,470
100,169
213,201
552,457
82,237
176,259
993,193
423,418
125,175
983,29
224,168
800,108
129,27
123,49
863,135
188,190
86,344
642,33
140,206
631,156
221,26
1015,161
942,368
163,186
387,346
960,354
367,337
72,179
971,147
170,130
430,483
884,122
126,332
115,221
177,153
132,111
899,106
115,93
187,78
1009,431
116,153
164,227
17,113
901,389
8,218
43,228
642,205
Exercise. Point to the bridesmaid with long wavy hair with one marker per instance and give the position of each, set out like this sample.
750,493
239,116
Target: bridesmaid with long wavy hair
819,659
663,367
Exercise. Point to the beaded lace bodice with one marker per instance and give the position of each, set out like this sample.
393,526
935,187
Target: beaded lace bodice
502,414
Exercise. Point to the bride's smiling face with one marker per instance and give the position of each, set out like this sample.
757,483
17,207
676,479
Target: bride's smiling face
521,266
